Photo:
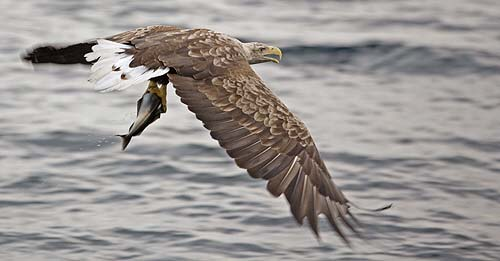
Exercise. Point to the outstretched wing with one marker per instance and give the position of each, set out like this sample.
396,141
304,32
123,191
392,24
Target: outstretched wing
266,139
215,81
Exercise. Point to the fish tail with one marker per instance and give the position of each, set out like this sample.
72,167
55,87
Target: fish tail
125,140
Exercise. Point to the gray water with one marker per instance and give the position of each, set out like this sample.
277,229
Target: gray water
402,98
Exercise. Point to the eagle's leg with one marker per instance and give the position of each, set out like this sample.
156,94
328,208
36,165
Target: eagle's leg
160,92
163,96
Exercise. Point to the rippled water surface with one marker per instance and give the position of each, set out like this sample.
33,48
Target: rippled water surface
402,97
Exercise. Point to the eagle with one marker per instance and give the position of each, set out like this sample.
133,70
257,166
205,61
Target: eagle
212,74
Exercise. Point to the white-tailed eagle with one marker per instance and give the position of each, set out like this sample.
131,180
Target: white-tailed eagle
211,73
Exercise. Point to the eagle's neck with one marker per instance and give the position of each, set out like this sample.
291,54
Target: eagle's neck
247,51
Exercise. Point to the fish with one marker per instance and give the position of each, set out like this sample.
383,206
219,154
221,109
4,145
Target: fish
149,109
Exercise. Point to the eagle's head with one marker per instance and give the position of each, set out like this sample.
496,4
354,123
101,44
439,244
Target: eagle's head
261,53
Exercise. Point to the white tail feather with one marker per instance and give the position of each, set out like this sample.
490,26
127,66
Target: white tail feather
112,70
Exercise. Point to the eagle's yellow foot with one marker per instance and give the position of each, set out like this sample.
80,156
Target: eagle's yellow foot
160,92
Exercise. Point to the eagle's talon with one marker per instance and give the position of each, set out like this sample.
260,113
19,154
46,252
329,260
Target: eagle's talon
160,92
163,96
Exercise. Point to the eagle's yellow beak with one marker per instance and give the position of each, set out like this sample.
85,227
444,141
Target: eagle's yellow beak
273,51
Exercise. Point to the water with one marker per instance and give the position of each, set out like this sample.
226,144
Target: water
402,98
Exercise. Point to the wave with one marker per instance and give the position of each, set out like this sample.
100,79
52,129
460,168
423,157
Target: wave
389,57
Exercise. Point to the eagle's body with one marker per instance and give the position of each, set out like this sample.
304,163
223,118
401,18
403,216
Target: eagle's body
211,73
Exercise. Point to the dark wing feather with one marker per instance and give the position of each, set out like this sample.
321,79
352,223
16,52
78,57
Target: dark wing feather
215,81
269,151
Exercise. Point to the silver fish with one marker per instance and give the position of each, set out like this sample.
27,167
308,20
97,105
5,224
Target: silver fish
149,108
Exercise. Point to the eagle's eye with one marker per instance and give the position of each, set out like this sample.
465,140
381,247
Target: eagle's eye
262,49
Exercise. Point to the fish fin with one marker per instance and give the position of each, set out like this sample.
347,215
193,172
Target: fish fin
125,140
139,103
